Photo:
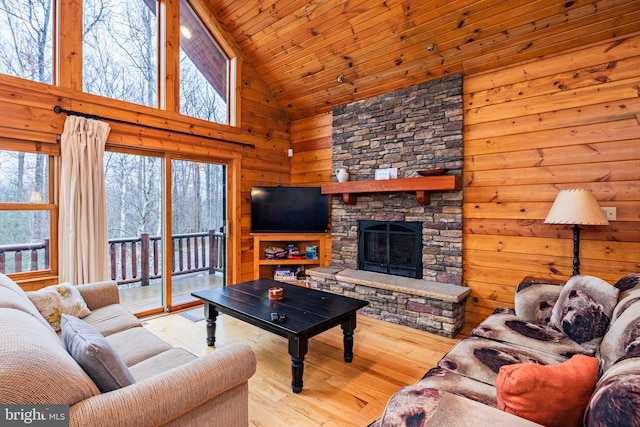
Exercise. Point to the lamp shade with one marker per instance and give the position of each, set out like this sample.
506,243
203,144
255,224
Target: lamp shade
576,207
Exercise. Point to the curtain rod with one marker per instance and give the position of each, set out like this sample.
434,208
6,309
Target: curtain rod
58,110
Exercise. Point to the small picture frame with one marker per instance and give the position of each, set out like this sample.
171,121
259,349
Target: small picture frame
382,174
387,173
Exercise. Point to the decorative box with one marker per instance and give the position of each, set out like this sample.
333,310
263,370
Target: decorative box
292,250
284,275
274,252
311,252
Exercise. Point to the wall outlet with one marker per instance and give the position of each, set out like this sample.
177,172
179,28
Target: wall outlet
609,213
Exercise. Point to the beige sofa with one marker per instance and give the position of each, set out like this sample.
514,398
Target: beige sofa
172,386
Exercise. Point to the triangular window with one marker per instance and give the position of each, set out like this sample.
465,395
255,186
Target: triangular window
204,71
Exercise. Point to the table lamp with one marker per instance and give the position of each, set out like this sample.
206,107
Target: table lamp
577,207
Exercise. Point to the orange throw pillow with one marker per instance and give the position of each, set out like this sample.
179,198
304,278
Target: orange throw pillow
551,395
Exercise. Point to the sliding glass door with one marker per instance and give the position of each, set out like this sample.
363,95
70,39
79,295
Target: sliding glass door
134,217
151,199
198,218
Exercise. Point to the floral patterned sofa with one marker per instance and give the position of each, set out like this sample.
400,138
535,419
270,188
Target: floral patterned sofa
566,355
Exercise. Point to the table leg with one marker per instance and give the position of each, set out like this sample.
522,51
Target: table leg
298,347
210,314
348,326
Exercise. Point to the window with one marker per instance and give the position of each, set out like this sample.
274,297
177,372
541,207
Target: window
204,71
25,212
26,39
121,54
120,50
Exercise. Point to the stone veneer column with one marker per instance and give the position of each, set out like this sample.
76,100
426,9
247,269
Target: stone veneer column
410,129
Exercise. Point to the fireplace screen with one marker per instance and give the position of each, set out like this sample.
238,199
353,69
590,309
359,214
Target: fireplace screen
390,247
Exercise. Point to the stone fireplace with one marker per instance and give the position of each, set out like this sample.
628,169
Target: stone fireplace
411,129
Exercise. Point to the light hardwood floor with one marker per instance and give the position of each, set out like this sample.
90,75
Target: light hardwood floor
337,394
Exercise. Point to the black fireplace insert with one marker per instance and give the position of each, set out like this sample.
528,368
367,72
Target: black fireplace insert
390,247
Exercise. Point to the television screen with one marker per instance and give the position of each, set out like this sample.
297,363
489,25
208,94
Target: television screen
289,210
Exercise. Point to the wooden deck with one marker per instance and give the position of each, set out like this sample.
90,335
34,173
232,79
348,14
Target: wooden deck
138,299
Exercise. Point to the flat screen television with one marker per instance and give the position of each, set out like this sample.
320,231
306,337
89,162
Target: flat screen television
289,210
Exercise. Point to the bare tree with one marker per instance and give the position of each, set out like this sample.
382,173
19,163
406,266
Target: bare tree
27,47
120,50
21,178
133,194
38,232
149,198
198,98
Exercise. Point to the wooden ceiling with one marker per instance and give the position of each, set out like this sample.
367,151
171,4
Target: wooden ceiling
301,47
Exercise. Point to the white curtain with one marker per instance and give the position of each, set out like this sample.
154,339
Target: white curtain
83,251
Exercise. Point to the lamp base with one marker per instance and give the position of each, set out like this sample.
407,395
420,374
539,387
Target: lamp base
576,249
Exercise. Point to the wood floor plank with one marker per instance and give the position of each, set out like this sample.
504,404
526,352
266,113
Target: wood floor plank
386,357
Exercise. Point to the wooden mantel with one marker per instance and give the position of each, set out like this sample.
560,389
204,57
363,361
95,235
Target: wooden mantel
421,186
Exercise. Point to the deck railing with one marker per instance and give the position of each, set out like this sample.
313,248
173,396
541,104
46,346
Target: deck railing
136,259
33,250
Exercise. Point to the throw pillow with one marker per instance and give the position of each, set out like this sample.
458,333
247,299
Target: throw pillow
534,301
55,300
584,308
551,395
94,354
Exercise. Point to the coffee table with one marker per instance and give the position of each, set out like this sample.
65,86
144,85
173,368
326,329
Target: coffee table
308,313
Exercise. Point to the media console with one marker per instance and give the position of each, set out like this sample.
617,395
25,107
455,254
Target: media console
263,268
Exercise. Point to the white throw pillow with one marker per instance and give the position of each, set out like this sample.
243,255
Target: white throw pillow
55,300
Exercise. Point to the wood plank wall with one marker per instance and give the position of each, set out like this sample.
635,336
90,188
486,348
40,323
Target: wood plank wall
562,122
566,121
311,162
268,164
311,143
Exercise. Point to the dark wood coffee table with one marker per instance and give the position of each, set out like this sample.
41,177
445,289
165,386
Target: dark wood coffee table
308,311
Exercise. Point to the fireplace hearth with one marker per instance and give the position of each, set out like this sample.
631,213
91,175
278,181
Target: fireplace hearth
390,247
